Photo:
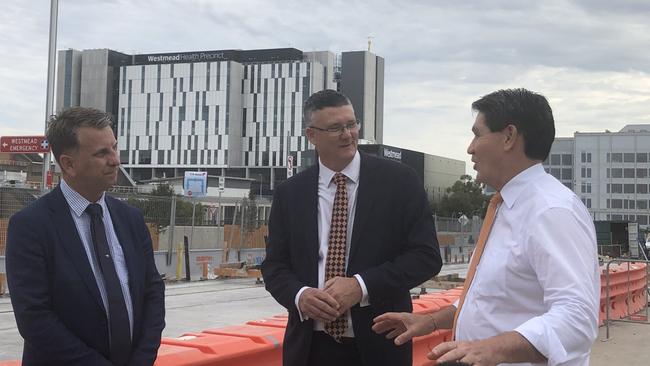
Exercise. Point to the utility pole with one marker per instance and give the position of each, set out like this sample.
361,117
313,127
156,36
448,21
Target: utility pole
49,103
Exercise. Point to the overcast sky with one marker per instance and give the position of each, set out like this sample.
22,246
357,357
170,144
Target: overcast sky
590,58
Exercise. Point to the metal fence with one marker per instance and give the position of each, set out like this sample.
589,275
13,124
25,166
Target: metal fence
12,200
209,223
225,230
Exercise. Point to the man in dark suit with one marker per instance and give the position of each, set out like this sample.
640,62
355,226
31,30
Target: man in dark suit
348,239
80,267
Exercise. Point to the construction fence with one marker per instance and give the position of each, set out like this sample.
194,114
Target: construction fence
218,231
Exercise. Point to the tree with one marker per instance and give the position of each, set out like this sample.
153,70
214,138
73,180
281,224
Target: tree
465,196
249,205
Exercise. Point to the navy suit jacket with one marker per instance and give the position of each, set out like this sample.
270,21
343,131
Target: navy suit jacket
56,301
393,247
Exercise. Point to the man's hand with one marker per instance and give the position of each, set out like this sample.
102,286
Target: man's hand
508,347
345,290
404,326
478,353
318,305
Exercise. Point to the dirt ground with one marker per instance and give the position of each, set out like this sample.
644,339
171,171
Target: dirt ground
628,345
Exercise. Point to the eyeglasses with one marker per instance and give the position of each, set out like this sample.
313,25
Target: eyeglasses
338,129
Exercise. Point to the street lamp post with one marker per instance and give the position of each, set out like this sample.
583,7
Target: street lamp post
49,100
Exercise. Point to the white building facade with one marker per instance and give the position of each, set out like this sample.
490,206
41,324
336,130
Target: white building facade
609,171
231,113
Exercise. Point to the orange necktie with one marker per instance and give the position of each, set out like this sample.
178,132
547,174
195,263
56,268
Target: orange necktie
490,215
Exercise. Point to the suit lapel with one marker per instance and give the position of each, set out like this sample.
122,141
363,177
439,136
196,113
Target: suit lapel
71,242
365,194
308,201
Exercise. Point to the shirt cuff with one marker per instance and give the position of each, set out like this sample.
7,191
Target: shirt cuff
365,299
296,301
544,339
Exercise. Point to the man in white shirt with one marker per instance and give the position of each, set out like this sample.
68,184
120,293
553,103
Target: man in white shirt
535,295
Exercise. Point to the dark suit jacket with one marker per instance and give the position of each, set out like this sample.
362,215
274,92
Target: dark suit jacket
393,247
56,301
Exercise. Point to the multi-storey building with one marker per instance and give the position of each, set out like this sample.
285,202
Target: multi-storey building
230,112
608,170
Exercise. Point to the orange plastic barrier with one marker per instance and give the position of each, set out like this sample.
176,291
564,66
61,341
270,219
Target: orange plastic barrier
627,284
423,345
258,334
275,322
259,342
216,349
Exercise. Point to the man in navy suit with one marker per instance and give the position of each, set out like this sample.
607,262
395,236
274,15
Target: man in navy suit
348,238
80,266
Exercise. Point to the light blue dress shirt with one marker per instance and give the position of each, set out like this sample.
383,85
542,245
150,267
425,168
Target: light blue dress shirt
81,219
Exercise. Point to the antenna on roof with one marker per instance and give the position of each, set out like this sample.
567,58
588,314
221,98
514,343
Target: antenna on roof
370,42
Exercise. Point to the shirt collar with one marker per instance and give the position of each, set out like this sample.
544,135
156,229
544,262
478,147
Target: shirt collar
515,186
76,201
351,171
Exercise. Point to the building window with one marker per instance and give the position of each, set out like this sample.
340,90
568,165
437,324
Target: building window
585,187
567,159
617,173
617,217
555,159
642,204
617,188
568,185
628,173
124,156
628,188
641,173
586,172
642,188
617,204
617,157
144,157
642,219
641,157
567,173
628,158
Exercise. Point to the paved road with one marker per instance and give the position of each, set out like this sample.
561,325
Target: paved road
196,306
191,307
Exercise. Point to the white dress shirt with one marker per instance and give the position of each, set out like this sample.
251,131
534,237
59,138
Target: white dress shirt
539,274
81,220
326,193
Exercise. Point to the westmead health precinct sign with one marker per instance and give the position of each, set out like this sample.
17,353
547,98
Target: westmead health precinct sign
167,58
276,54
24,144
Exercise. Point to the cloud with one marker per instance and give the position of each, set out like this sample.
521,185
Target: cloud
589,57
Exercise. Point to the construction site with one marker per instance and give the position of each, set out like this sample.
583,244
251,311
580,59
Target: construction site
218,312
